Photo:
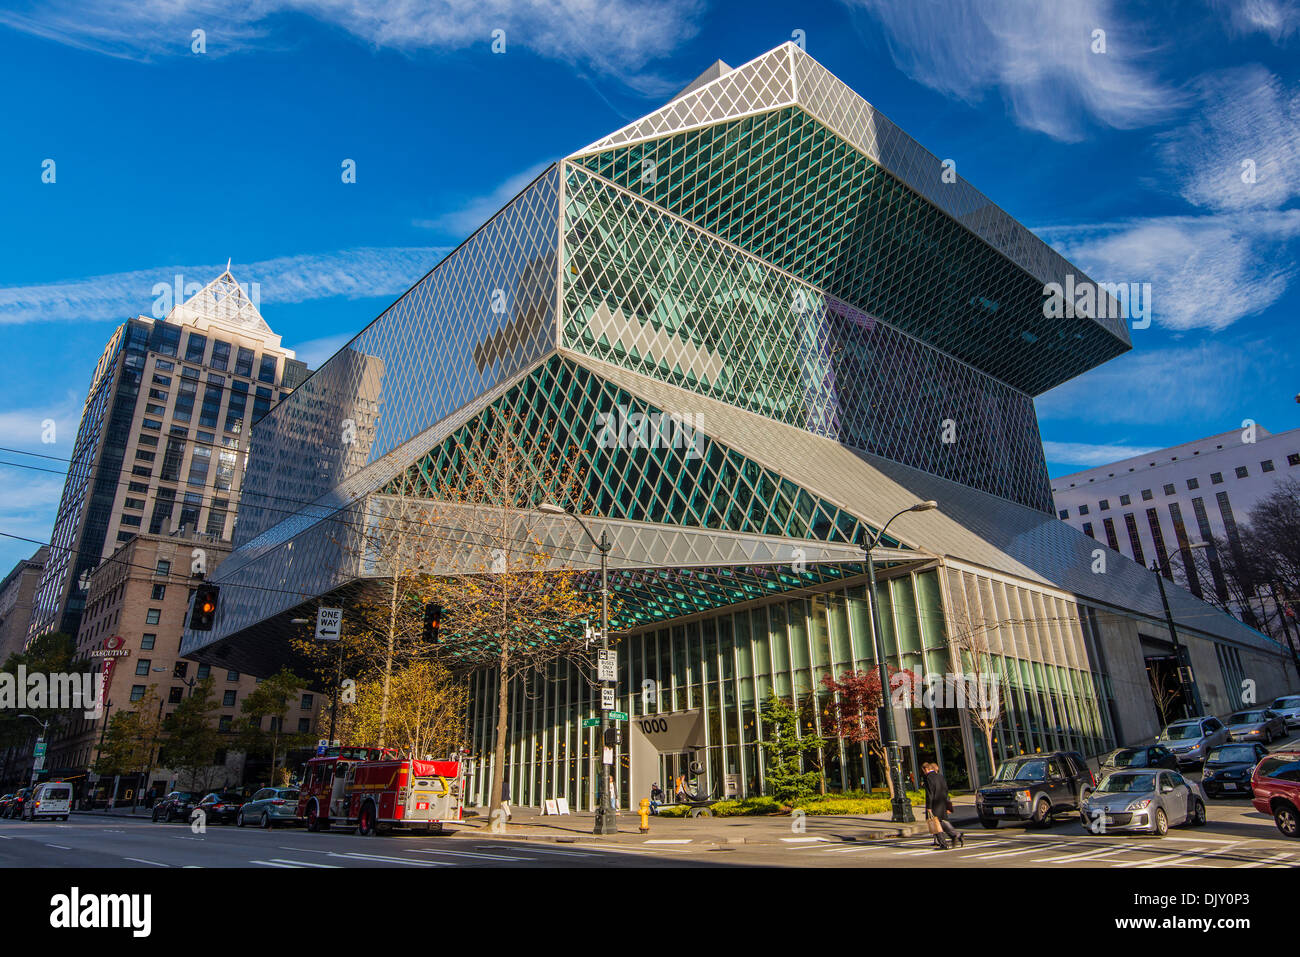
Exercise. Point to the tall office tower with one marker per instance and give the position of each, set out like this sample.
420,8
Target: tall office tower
163,435
843,330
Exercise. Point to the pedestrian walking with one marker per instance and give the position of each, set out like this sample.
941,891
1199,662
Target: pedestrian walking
938,807
505,796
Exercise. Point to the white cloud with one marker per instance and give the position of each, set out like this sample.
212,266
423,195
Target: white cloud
26,429
1206,272
1181,384
1037,54
348,273
460,223
1278,19
1245,116
614,37
314,352
1081,453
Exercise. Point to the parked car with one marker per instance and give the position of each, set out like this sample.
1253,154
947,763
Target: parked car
1193,738
5,801
1149,801
1034,788
220,807
269,807
1288,706
52,800
1276,783
15,808
1228,768
1153,756
176,805
1257,724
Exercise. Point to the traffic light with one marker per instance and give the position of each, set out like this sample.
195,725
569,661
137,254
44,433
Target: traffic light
205,607
432,622
612,738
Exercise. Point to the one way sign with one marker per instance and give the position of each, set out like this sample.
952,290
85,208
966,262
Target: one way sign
329,622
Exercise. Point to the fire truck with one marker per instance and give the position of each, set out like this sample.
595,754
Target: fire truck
376,791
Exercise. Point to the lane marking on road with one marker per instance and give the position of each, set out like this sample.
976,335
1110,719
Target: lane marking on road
1157,862
1104,852
62,847
1268,860
539,850
998,854
141,860
1147,861
685,840
981,846
471,854
3,838
822,847
273,864
285,860
803,840
1200,840
357,856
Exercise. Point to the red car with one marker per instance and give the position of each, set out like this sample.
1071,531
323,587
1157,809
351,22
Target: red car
1276,783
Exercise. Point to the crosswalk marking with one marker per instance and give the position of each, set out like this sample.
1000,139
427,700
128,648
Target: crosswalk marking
141,860
471,854
1268,861
1156,862
1091,855
272,864
285,860
1147,861
354,855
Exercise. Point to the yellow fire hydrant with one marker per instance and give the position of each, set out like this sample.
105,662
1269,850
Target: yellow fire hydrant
645,815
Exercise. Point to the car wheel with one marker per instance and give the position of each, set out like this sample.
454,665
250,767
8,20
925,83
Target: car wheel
1198,814
1287,820
266,821
1162,822
1042,814
239,819
366,823
989,822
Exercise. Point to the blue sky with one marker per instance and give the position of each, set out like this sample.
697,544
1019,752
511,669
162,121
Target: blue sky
168,161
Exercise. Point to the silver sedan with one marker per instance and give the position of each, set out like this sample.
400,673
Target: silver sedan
1147,801
1257,724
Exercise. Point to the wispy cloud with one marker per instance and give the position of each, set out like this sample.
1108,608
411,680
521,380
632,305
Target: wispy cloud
1206,272
1156,387
1242,151
473,213
1081,453
1038,56
348,273
1277,19
612,37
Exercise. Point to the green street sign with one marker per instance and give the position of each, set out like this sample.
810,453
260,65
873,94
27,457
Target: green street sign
591,722
618,716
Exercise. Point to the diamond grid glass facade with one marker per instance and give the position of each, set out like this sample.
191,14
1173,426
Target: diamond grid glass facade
645,290
796,287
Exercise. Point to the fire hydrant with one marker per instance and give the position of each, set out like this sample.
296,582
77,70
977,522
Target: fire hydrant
645,815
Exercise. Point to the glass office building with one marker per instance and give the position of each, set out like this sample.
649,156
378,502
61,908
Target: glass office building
843,332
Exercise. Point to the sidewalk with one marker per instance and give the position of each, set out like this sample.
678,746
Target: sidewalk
529,824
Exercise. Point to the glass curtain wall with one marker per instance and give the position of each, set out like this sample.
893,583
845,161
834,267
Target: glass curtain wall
727,662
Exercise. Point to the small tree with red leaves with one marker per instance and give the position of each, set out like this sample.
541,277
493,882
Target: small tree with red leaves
855,715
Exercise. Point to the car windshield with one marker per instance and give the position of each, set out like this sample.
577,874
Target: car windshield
1126,783
1129,758
1181,732
1292,702
1246,717
1233,754
1034,770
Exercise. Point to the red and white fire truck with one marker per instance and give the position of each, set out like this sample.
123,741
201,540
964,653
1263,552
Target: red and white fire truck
375,791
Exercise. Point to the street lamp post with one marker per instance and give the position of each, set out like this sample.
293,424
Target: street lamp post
45,725
1190,683
605,820
901,807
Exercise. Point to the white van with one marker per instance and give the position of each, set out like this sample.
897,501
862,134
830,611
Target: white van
49,800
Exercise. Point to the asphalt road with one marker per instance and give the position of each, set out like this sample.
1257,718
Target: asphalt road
1236,837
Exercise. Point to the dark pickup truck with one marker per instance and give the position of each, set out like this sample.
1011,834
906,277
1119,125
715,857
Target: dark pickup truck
1034,788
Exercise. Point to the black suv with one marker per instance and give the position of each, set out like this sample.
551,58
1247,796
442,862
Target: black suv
1034,788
